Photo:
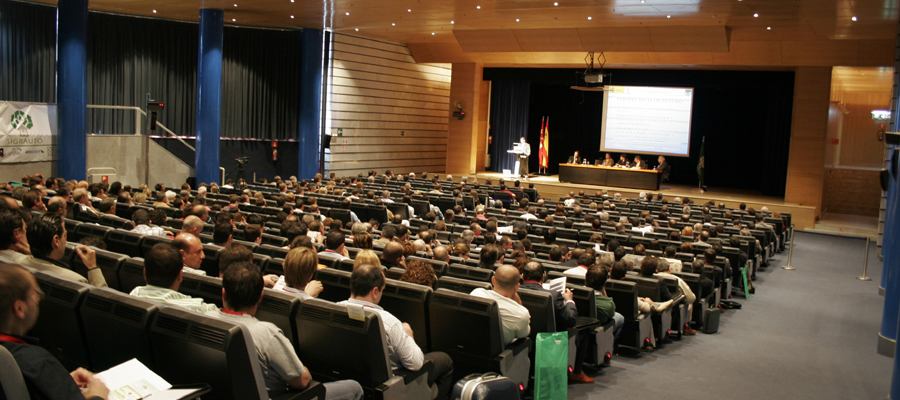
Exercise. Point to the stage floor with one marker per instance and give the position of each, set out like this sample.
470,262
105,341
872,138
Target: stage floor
549,186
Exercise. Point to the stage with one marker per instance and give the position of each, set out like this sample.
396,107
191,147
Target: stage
549,186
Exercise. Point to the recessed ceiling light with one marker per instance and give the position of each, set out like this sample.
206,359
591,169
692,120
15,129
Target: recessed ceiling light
452,22
768,28
292,1
555,3
393,24
755,15
853,19
235,5
517,20
409,10
357,29
642,1
590,18
668,16
292,17
154,11
346,13
233,20
478,7
432,33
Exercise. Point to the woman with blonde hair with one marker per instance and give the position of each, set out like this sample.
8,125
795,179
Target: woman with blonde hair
366,257
299,266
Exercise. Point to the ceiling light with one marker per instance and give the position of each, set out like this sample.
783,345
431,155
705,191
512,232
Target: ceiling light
154,11
642,1
853,19
755,15
393,24
555,3
589,18
478,7
235,5
409,10
452,22
432,33
346,13
768,28
517,20
233,20
292,17
357,29
668,16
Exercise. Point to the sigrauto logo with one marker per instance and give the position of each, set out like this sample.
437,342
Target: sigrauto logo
21,121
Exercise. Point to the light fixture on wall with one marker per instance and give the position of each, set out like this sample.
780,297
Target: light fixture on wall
881,115
459,113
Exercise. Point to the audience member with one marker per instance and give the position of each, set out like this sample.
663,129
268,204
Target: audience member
513,315
162,271
47,238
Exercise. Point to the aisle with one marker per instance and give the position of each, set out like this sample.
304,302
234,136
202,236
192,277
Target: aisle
808,333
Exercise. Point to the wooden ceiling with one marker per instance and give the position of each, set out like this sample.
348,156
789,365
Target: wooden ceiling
732,34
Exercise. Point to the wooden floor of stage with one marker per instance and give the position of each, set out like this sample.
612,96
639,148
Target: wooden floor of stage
549,186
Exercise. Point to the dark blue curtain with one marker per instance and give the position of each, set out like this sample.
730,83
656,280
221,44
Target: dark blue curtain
129,57
509,121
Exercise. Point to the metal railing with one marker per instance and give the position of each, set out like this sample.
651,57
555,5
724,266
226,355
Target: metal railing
138,126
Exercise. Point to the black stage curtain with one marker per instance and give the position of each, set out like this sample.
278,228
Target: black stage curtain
129,57
509,122
744,115
27,52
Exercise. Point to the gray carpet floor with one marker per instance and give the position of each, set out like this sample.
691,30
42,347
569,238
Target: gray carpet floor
810,333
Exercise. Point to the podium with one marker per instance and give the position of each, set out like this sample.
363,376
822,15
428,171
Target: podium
518,153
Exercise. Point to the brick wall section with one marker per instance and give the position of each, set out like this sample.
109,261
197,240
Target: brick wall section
852,191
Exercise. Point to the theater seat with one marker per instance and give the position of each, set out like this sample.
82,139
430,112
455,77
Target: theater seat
116,327
205,287
602,343
469,272
481,348
108,262
131,274
280,308
651,288
637,328
61,308
335,283
333,346
124,242
12,384
190,348
409,303
462,285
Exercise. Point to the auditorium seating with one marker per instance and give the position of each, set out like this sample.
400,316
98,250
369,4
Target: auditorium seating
59,308
481,348
334,346
636,331
116,327
205,287
280,308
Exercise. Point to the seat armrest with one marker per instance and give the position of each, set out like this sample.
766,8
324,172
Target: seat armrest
410,376
314,391
517,347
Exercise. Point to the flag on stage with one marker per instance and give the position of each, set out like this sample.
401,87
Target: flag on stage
545,143
701,164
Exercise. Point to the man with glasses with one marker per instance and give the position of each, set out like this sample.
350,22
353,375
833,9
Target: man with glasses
45,377
47,238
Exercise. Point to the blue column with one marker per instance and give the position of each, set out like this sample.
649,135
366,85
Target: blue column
313,61
209,95
71,88
887,337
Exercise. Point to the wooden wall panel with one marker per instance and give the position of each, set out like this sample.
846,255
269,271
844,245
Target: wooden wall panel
852,191
392,113
860,146
809,128
462,146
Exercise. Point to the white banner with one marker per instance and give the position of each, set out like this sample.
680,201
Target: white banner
27,132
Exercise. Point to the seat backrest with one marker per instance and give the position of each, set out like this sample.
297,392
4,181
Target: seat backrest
335,283
333,346
340,214
271,251
439,267
116,222
190,348
540,306
131,274
150,241
205,287
646,287
124,242
483,339
275,266
261,261
108,262
585,300
116,327
61,308
624,295
85,230
210,264
11,381
469,272
461,285
273,240
280,308
409,303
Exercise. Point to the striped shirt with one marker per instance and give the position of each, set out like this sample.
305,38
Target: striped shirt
173,298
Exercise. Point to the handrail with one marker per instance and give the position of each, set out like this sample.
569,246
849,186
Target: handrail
137,123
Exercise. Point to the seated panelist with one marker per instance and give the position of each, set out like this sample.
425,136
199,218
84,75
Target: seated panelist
623,162
575,158
608,161
638,163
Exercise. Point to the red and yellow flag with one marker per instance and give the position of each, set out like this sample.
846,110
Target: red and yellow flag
543,155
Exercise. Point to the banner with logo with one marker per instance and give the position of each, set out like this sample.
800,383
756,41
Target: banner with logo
27,132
